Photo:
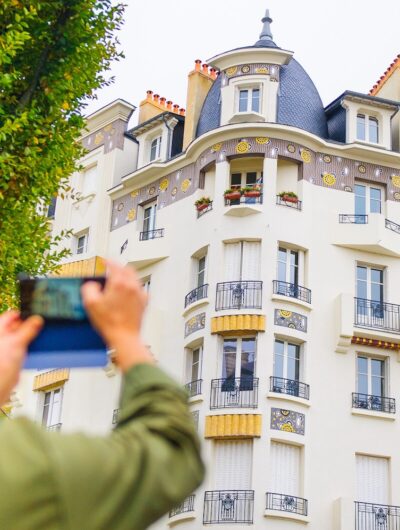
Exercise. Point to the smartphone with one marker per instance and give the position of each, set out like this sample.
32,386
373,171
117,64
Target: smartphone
54,299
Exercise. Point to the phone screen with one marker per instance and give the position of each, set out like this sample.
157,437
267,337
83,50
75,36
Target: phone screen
54,298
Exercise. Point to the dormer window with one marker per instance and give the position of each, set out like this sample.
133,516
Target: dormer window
155,148
367,128
249,100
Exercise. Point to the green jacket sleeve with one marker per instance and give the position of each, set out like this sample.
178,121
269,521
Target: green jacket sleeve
125,481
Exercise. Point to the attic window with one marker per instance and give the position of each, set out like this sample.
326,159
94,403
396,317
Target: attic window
367,128
249,100
155,148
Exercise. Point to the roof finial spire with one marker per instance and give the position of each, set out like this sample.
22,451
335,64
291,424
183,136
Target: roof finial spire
266,31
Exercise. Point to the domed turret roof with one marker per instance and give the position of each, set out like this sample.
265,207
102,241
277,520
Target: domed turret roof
299,103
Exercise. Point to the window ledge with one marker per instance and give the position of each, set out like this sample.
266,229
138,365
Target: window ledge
245,117
196,399
287,515
195,305
370,144
287,397
187,516
374,414
290,300
83,198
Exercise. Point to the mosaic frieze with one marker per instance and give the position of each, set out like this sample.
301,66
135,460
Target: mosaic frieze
167,190
289,319
250,69
288,421
195,323
110,136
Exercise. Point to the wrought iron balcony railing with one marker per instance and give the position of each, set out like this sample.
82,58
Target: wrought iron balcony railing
292,290
115,416
369,402
392,226
297,205
376,315
229,506
201,212
239,295
287,503
290,387
196,294
353,219
194,387
241,392
370,516
252,197
186,506
151,234
55,427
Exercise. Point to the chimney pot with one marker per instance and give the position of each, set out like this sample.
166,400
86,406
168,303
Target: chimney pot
149,94
205,68
156,97
169,105
197,65
182,112
162,102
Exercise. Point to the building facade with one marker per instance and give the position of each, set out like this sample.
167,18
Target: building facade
274,299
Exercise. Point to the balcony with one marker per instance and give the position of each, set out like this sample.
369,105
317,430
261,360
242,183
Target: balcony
228,506
239,392
207,208
290,387
371,516
239,295
194,387
151,234
55,427
293,204
376,315
287,503
374,403
369,233
184,507
292,290
196,294
243,203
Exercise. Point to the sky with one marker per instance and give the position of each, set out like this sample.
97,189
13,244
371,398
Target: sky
342,44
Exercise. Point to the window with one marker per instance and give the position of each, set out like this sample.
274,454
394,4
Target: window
201,271
149,217
195,368
285,473
241,180
81,243
287,360
368,199
371,377
242,261
146,282
89,180
155,148
238,362
52,208
51,414
370,284
249,100
288,265
193,371
367,128
233,464
372,482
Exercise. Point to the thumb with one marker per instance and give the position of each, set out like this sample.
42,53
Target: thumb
29,329
91,293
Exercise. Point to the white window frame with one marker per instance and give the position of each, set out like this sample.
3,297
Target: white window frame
369,280
250,88
201,272
153,216
370,358
238,360
299,349
158,144
368,198
243,179
81,249
45,422
300,262
192,364
88,187
367,118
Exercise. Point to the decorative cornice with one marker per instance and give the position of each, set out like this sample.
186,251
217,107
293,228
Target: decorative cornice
375,343
233,426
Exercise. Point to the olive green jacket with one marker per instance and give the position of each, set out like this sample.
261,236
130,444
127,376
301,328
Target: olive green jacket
124,481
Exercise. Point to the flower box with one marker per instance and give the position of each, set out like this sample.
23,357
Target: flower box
233,196
202,206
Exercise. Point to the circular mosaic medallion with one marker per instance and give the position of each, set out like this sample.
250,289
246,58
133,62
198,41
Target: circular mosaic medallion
262,70
285,314
329,179
245,69
164,184
174,191
120,207
291,148
131,215
262,140
306,156
216,147
152,190
287,427
348,188
231,71
362,169
327,159
134,193
242,147
396,181
396,196
185,185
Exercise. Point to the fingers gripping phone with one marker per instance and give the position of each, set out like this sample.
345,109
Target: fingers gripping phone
67,338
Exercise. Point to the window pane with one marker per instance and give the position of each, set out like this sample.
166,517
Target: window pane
377,367
362,386
294,267
255,102
236,180
377,275
278,359
195,365
248,358
153,150
362,365
360,199
229,358
375,200
373,130
251,178
361,127
361,273
243,99
377,386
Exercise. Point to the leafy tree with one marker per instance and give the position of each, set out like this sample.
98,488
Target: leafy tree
53,56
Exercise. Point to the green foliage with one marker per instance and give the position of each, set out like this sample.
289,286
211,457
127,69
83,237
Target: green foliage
53,56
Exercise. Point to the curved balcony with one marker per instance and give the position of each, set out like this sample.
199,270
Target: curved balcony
290,387
374,314
239,295
371,516
233,392
292,290
196,294
194,387
151,234
184,507
287,503
375,403
228,506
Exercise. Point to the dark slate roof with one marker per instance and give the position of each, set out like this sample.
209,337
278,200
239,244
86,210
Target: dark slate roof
373,99
299,103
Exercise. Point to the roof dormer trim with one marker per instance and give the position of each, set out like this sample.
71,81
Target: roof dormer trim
250,55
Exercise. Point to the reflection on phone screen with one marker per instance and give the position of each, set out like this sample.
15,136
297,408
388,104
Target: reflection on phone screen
56,298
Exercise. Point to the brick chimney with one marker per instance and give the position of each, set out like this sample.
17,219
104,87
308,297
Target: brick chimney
200,81
154,105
